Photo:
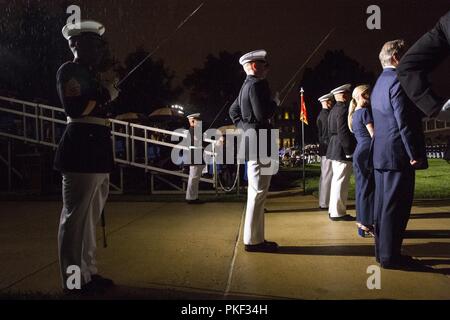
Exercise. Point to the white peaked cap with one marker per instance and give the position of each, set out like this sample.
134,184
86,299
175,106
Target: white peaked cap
326,97
343,88
253,56
74,29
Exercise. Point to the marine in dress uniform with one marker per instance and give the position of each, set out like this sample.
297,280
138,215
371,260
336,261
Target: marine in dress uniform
195,169
252,110
326,172
340,150
84,155
398,149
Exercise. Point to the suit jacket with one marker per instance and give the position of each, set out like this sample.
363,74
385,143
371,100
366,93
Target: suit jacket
417,63
322,126
84,148
253,109
341,140
398,134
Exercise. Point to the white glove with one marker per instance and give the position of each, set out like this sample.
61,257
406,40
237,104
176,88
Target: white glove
109,80
349,156
444,115
446,106
277,99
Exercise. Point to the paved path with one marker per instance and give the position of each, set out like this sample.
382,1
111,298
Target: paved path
173,250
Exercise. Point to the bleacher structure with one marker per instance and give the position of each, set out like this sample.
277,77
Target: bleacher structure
43,125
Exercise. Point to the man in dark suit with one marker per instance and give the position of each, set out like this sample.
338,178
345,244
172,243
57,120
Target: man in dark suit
418,62
84,155
398,149
416,65
326,171
340,150
251,112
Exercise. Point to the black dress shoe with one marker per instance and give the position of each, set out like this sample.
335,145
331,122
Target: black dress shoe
100,281
347,217
266,246
90,288
196,201
402,266
407,259
402,259
406,263
323,208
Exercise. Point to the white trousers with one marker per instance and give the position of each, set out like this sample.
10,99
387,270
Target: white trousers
84,197
195,173
326,174
342,170
258,187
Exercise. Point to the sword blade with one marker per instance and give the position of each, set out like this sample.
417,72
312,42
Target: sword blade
160,44
291,82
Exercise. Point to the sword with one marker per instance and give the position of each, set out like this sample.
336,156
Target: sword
292,81
218,114
105,244
159,45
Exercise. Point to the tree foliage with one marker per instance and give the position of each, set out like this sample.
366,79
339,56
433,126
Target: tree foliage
215,84
335,69
149,87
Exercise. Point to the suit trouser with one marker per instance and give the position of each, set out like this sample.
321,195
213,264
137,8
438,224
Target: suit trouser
394,193
326,174
342,171
195,173
84,197
258,188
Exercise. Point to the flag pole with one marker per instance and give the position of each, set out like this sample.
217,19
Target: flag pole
303,144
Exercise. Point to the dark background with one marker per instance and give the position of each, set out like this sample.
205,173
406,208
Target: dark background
288,30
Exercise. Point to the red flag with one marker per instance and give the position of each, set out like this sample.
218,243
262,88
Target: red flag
303,112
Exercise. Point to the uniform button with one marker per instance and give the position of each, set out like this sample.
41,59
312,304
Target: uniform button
91,135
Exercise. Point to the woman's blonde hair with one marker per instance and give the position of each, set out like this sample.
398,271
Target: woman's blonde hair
358,91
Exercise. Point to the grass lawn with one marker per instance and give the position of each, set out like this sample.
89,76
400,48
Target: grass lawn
433,183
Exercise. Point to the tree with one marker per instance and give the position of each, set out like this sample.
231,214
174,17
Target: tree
218,82
333,70
149,87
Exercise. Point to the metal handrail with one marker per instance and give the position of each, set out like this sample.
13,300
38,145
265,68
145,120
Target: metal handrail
39,118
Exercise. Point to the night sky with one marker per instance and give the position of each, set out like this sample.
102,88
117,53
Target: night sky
289,30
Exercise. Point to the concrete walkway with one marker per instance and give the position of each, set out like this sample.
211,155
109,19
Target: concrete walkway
176,251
